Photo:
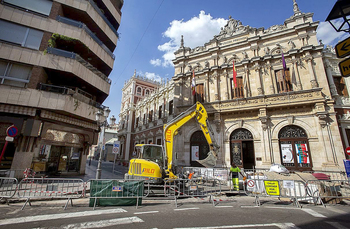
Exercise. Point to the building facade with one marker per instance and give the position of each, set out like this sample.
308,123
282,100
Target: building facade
287,103
146,106
55,59
280,107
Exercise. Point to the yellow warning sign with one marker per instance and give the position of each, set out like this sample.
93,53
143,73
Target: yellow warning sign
344,67
272,187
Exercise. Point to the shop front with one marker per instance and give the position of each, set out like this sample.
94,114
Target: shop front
60,153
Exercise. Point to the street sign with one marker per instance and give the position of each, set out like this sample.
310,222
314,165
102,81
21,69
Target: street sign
347,167
116,145
347,150
9,139
12,131
343,48
344,67
272,188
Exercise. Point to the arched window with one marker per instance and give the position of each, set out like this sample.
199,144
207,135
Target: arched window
294,148
242,148
138,91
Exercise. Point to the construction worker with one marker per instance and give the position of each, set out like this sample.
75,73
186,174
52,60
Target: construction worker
234,171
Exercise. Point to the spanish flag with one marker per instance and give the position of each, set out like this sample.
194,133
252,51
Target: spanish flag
234,75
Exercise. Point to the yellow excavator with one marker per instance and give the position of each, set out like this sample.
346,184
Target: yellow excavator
155,164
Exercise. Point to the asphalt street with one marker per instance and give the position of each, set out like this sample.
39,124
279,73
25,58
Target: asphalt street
228,212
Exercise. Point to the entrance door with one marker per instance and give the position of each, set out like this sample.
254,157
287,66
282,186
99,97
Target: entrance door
242,148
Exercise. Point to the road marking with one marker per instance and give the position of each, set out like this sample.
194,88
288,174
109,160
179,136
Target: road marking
279,225
291,208
336,225
313,213
224,206
139,213
101,223
249,206
59,216
184,209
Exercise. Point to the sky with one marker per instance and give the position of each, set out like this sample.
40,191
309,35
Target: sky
150,32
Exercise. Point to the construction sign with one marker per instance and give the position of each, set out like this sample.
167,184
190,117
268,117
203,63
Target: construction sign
272,187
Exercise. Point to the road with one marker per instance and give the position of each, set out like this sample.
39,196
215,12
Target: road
235,212
106,172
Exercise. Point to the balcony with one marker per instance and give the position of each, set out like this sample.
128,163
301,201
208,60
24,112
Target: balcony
76,93
87,30
72,55
52,99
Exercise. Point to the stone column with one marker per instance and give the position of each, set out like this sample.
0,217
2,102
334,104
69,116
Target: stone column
257,69
227,85
247,82
313,81
330,79
216,86
272,80
296,73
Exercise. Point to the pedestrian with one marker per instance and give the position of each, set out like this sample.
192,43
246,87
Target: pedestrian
234,171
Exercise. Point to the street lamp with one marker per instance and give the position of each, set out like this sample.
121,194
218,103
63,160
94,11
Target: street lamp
103,124
341,9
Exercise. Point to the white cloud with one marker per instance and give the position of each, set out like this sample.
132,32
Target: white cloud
328,35
156,62
151,76
197,31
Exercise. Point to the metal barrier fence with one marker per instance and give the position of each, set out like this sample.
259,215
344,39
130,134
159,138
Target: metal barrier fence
295,190
312,191
332,191
192,188
50,188
8,188
116,192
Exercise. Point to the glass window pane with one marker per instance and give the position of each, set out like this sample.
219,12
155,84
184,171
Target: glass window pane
20,71
14,33
3,66
34,39
40,6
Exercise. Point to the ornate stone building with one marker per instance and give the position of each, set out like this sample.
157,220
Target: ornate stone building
274,113
282,108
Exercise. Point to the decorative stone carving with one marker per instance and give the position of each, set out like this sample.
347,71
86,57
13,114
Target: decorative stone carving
233,27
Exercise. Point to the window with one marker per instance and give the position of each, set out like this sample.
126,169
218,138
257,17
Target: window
238,91
171,104
160,111
147,92
283,81
294,148
199,93
14,74
341,86
137,122
138,91
21,35
38,6
150,117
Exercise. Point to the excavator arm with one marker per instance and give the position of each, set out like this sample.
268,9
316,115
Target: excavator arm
198,112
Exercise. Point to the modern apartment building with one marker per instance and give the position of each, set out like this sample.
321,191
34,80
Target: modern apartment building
55,58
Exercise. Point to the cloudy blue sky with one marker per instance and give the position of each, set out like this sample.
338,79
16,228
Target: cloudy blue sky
151,30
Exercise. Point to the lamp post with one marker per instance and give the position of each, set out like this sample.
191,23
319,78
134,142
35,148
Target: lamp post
103,124
338,17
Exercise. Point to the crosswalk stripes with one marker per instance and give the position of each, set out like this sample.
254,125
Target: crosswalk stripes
103,223
36,218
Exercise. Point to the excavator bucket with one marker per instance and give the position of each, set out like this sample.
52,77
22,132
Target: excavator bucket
209,161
